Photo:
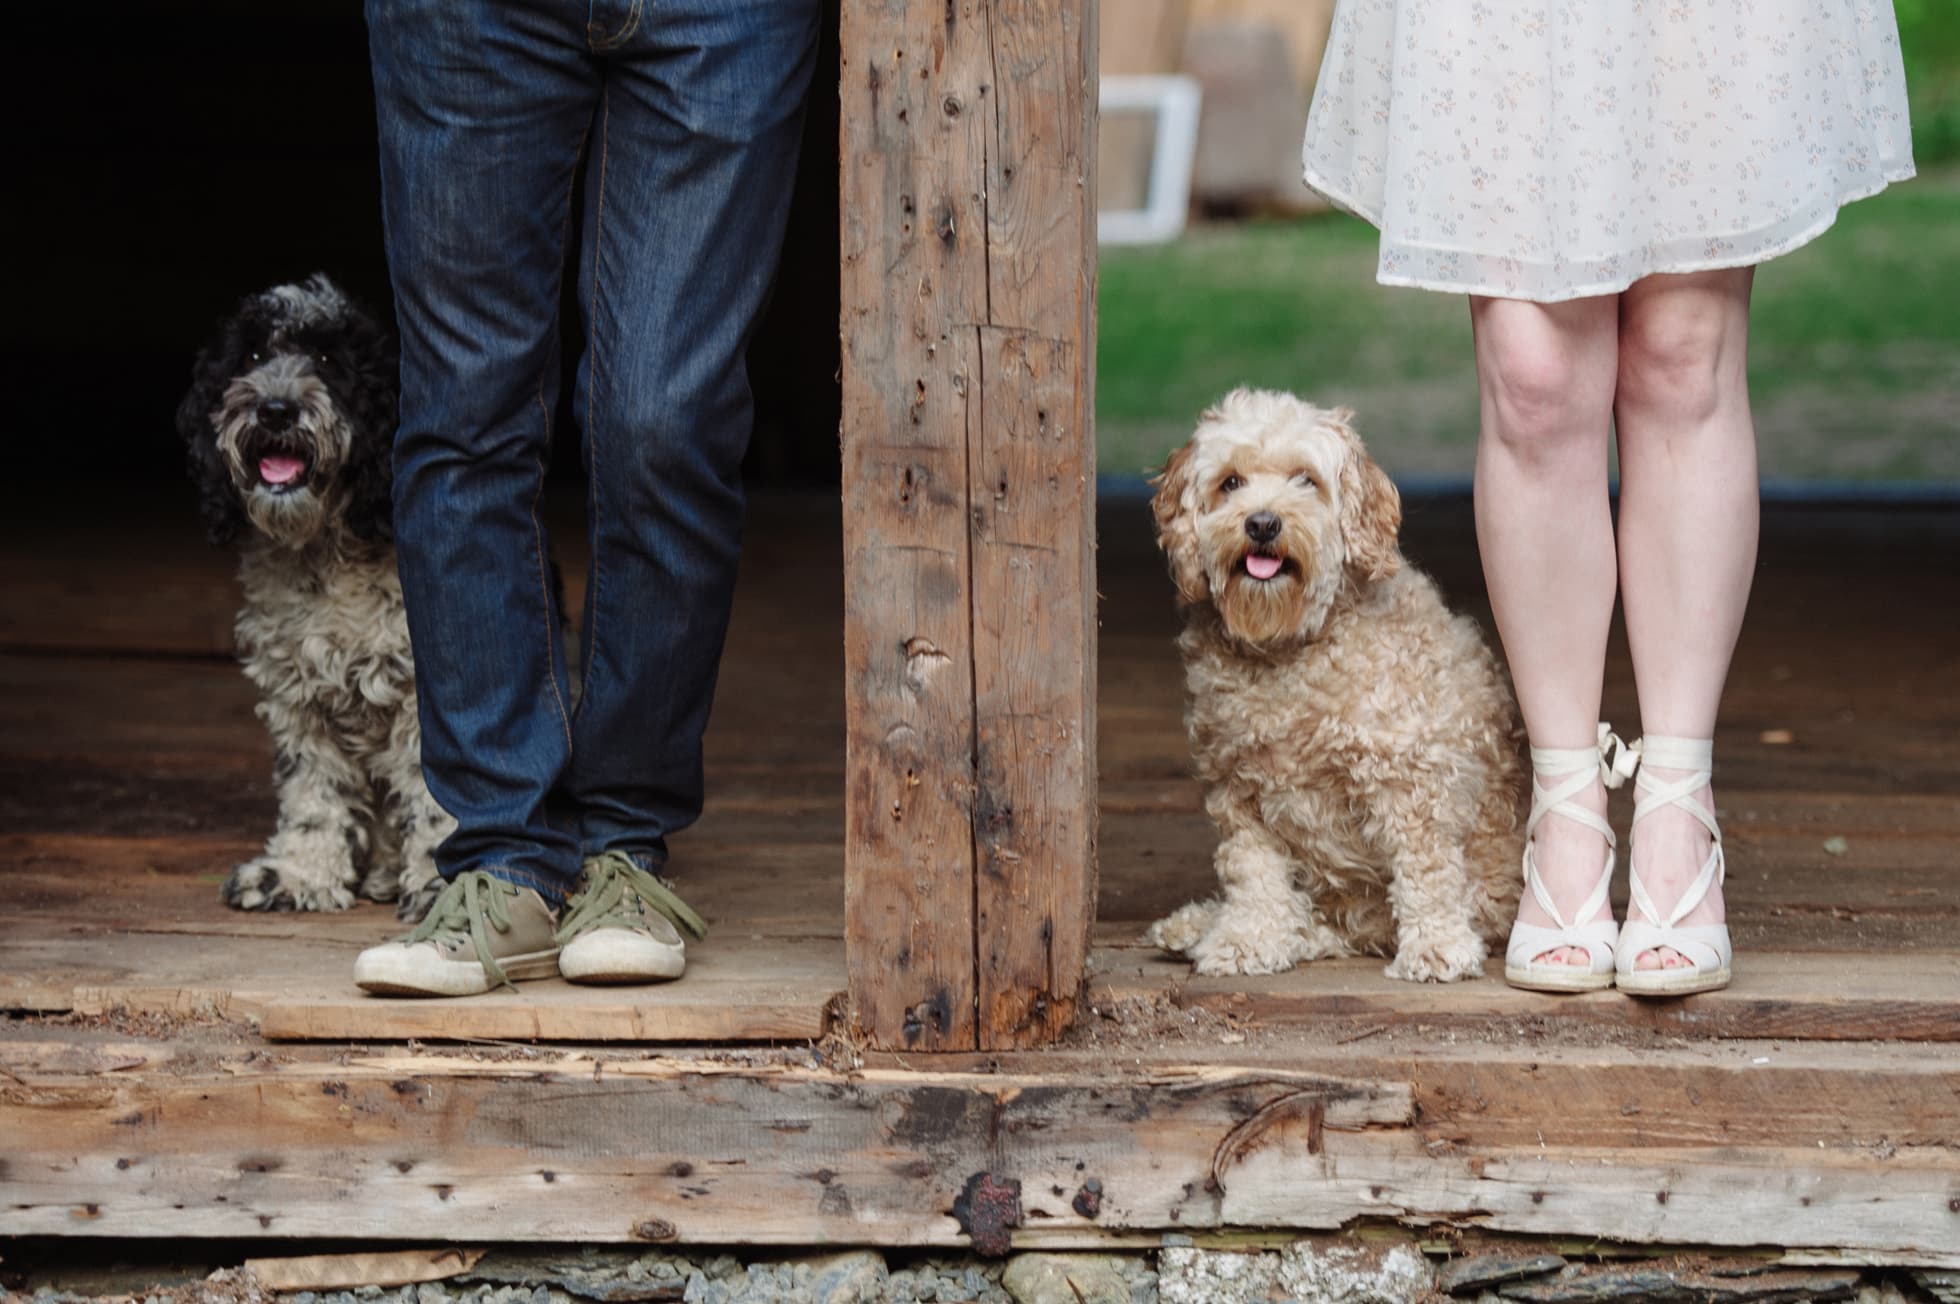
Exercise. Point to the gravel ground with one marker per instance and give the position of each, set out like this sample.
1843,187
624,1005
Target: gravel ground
1323,1271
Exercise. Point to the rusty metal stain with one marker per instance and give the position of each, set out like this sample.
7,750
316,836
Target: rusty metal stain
987,1210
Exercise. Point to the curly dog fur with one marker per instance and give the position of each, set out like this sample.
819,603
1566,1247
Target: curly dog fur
288,425
1361,753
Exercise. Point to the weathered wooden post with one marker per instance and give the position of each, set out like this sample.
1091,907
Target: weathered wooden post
968,318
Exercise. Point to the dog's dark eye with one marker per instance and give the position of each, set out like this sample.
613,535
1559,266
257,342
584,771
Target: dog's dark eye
1230,484
256,357
1304,479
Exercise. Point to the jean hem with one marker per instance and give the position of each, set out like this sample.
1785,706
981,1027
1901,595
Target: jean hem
549,886
651,859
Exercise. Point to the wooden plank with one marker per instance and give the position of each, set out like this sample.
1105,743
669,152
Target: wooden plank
750,875
73,586
128,707
587,1151
299,986
914,79
1034,659
79,1057
968,344
1630,1094
93,923
767,990
1032,472
1773,1196
585,1148
291,974
1909,996
1886,892
340,1271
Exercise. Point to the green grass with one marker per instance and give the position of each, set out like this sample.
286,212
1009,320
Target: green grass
1929,40
1854,366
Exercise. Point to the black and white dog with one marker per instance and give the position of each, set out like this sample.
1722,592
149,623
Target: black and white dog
288,424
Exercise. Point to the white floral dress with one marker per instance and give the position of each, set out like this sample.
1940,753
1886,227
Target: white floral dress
1550,149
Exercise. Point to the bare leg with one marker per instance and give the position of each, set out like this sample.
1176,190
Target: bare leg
1545,374
1688,519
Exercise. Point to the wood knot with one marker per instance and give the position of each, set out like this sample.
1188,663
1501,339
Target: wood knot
917,648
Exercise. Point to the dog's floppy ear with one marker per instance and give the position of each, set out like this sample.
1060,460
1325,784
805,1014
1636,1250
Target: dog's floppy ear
373,409
1371,508
1177,534
217,497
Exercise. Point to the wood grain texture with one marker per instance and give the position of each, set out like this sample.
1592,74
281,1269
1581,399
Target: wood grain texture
300,986
967,317
1660,1148
342,1271
1824,996
913,278
175,952
1032,468
1034,676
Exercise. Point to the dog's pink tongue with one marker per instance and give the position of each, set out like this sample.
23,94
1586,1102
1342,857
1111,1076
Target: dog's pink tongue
281,470
1261,568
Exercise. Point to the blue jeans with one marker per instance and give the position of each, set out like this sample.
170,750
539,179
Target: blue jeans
691,113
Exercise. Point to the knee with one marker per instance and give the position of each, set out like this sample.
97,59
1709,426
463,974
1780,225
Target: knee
1677,366
1539,404
678,434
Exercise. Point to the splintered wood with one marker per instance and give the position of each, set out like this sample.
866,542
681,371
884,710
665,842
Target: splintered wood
1823,1149
968,320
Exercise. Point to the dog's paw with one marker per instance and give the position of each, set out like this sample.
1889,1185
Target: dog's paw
264,884
381,883
1180,930
1439,961
414,902
1229,949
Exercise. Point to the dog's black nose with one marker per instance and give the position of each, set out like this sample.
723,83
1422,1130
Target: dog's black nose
277,413
1262,527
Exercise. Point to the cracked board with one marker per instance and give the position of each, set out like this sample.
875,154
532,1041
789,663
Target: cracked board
968,321
1810,995
1839,1150
300,986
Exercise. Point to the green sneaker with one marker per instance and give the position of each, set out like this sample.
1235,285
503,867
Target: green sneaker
624,925
482,932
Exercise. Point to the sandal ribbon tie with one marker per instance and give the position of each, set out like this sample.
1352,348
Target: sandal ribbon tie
1618,758
1572,770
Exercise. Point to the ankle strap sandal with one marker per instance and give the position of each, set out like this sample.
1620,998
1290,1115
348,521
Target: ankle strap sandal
1575,768
1706,947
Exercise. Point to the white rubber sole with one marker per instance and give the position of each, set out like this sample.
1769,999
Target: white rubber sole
1541,978
1672,982
418,971
618,956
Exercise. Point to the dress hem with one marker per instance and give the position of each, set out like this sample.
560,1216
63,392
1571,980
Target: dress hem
1617,285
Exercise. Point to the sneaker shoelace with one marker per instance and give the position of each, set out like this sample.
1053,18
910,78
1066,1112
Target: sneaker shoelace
615,889
470,902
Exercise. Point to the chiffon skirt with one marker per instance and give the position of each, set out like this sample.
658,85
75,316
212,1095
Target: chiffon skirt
1551,149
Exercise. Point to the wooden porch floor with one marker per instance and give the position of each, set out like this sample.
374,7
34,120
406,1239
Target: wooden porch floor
133,773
